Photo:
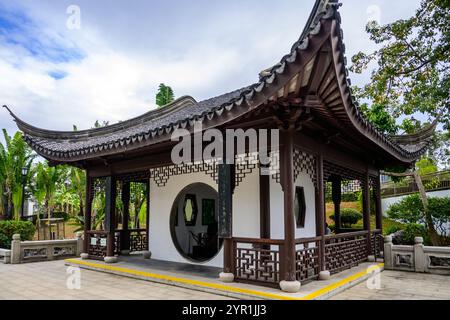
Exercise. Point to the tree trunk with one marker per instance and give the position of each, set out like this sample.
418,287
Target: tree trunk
434,237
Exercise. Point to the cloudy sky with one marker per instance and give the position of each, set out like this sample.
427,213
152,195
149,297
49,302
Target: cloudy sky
54,76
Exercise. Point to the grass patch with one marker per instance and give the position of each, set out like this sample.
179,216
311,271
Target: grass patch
386,222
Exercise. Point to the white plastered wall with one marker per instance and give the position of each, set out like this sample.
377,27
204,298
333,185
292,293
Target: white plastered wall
245,213
277,208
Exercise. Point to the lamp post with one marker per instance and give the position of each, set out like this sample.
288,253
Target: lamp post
24,176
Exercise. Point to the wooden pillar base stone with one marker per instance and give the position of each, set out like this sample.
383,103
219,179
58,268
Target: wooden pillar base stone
226,277
324,275
290,286
110,259
84,256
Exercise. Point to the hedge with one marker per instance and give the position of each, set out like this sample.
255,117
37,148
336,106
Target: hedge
8,228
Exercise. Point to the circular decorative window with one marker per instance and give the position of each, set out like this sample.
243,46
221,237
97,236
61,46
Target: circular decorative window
194,223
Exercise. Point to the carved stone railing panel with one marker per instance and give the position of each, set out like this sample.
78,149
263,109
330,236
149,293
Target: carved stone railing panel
307,259
33,251
418,258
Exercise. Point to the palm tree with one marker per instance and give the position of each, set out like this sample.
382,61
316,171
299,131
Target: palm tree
164,96
47,179
14,157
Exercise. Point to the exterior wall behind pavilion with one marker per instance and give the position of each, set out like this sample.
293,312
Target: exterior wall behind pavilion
245,214
277,208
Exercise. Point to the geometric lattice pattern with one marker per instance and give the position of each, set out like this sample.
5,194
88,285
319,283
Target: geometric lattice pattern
162,174
307,261
257,264
376,244
244,164
138,240
345,252
304,162
97,244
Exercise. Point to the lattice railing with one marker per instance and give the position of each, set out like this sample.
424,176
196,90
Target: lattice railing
376,243
138,240
97,241
307,259
346,250
257,260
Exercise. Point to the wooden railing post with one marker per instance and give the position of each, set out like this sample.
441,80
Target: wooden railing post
87,215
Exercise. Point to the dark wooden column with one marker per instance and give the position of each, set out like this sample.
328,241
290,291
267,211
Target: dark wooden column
287,184
226,188
88,211
378,207
147,213
337,198
110,208
125,239
320,210
264,206
366,202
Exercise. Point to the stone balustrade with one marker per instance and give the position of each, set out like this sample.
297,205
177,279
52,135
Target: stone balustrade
33,251
417,258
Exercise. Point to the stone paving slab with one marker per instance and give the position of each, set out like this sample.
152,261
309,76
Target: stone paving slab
310,291
47,281
402,285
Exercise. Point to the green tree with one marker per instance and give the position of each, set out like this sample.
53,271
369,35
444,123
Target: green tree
164,96
47,180
14,156
412,69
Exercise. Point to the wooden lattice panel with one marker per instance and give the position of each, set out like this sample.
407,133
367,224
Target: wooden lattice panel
345,253
138,240
257,264
307,261
97,245
304,162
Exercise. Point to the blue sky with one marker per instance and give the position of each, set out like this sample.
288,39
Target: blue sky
110,68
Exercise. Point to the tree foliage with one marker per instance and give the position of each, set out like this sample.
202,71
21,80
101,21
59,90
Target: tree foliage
411,74
15,155
411,210
164,96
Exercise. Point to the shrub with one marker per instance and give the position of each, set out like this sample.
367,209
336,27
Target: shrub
392,229
408,210
62,215
5,242
26,230
413,230
350,217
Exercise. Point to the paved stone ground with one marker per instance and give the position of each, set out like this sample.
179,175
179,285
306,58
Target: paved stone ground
47,280
397,285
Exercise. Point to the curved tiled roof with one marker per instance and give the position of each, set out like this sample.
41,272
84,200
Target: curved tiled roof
134,133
